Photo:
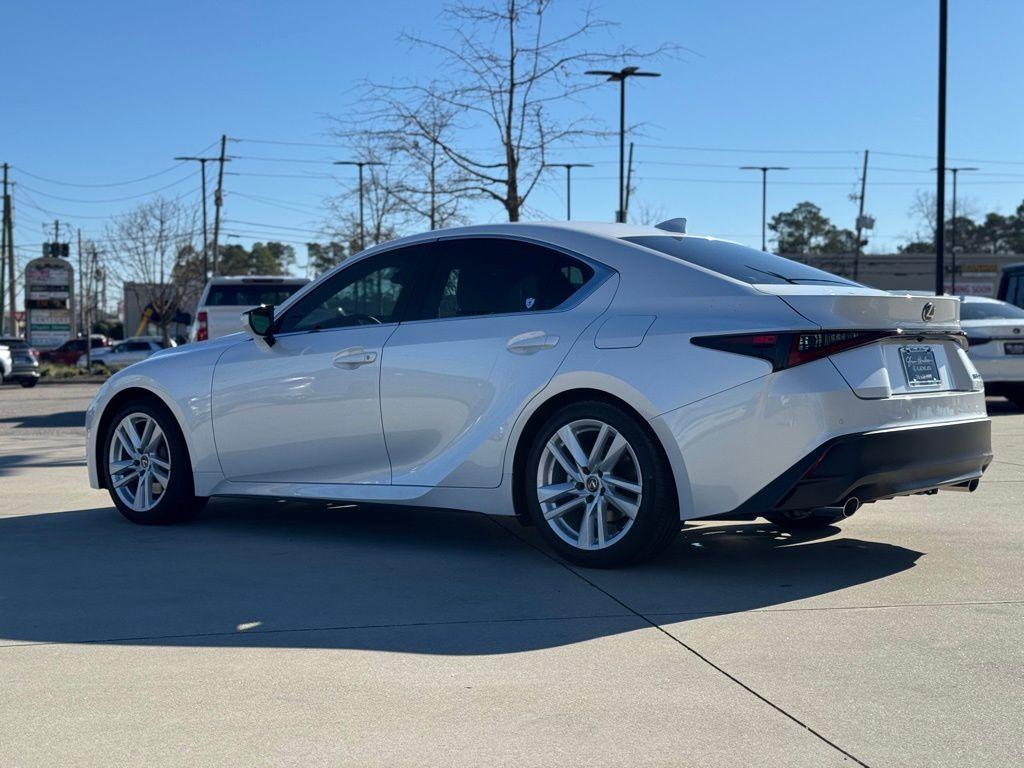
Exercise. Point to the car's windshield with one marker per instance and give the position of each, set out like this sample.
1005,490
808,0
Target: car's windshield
249,295
990,310
739,262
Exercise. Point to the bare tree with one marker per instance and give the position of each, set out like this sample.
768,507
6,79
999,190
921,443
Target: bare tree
507,74
385,209
411,132
153,246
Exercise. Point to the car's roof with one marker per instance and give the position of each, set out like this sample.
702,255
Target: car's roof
264,279
542,230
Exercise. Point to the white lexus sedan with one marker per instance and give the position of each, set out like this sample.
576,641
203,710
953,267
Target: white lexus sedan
995,332
601,382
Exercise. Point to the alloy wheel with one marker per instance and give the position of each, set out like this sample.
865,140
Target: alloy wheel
589,484
139,462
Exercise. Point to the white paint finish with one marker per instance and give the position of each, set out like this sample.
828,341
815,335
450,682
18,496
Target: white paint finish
736,442
866,309
623,331
452,388
876,370
456,402
291,413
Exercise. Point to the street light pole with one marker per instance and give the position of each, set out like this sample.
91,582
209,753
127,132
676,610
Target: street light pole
764,196
360,164
620,77
202,168
940,171
952,243
568,182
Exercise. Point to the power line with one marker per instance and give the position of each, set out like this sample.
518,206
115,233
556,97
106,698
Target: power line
110,199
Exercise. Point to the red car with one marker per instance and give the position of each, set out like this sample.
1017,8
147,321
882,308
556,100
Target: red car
69,352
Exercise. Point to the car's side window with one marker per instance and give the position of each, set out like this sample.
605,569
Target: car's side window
138,346
489,276
374,290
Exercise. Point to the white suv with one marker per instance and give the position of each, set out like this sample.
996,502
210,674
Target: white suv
225,299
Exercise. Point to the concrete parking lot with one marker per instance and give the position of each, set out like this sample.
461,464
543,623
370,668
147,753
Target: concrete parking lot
279,633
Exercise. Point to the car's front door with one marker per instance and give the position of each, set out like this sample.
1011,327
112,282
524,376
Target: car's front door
495,320
307,409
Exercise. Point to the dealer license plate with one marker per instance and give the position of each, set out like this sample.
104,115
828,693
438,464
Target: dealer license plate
1014,347
919,366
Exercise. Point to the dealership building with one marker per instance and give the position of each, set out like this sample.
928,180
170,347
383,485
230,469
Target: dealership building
977,274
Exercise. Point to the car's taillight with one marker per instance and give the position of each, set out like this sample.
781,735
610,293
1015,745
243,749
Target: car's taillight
784,350
202,332
33,353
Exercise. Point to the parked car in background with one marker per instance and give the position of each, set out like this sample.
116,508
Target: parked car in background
600,381
69,352
1011,285
995,331
124,353
24,361
225,299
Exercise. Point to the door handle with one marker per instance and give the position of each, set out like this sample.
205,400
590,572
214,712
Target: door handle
531,342
353,357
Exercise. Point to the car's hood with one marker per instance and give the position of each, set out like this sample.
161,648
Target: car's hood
197,346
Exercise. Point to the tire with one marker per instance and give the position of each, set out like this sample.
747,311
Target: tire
165,456
802,520
29,383
629,521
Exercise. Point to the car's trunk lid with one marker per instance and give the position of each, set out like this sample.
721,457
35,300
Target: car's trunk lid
840,307
921,355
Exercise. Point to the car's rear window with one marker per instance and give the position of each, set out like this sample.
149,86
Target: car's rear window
984,310
249,294
738,261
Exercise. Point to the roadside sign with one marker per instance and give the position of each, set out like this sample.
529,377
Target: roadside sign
49,292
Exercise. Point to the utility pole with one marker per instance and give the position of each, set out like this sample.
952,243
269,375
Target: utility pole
860,218
764,196
202,169
629,182
3,254
360,164
568,182
81,289
620,77
11,276
218,199
940,171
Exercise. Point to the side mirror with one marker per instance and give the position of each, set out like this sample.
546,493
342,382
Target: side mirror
259,322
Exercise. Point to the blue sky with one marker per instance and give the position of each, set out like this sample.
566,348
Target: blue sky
106,92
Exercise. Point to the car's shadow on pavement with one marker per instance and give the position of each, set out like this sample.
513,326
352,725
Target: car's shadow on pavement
286,574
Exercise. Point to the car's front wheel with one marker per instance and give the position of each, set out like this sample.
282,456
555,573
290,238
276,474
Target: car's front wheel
146,465
598,487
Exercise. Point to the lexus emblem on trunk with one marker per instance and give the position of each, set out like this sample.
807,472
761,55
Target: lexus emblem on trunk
927,311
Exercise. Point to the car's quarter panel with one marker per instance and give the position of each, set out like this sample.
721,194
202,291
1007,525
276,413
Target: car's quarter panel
292,413
452,388
181,378
738,441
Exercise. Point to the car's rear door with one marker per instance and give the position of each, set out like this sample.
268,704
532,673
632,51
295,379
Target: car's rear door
494,321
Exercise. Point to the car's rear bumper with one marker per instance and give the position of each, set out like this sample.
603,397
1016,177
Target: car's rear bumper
879,465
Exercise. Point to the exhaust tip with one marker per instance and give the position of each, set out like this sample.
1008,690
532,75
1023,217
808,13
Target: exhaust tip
969,486
852,505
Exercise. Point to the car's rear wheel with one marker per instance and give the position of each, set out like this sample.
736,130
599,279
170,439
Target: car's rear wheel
146,465
598,487
27,383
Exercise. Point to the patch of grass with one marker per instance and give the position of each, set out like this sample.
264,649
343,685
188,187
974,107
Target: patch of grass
55,371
